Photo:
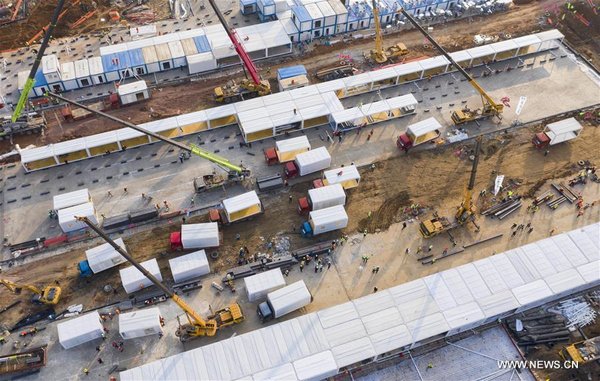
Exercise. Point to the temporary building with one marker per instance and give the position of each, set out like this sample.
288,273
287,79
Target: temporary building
133,92
133,280
82,73
201,62
198,236
140,323
69,79
66,200
105,256
316,367
424,130
313,161
348,177
97,70
80,330
291,71
328,219
242,206
67,220
563,130
259,285
289,148
189,266
327,196
288,299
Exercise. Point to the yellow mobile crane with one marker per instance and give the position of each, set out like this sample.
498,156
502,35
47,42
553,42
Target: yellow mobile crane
490,107
380,55
196,326
47,295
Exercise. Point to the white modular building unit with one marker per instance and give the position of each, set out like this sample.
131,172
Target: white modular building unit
329,17
319,366
242,206
563,130
66,200
80,330
67,221
69,78
289,299
424,130
199,236
97,70
51,69
133,92
348,177
189,266
347,119
313,161
201,62
105,256
177,53
550,39
259,285
328,219
143,31
140,323
288,149
82,73
133,280
327,196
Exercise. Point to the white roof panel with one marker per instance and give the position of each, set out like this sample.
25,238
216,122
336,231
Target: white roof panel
343,332
220,111
293,144
66,200
440,291
481,51
313,332
249,105
552,34
190,118
473,279
532,292
353,352
79,330
588,247
332,101
569,249
283,372
314,112
382,319
590,272
391,339
133,87
161,125
336,315
336,84
509,273
96,66
498,303
69,146
375,107
464,314
408,68
316,367
303,92
82,69
105,256
101,139
527,40
402,101
460,56
333,176
382,74
241,202
458,288
503,46
434,62
564,281
347,115
256,125
554,254
427,326
189,266
538,258
37,153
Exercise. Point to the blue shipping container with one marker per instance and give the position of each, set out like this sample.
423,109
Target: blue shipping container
291,71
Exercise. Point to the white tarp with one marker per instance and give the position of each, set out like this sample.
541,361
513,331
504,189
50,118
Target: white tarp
498,184
66,200
79,330
199,236
313,161
328,219
140,323
104,257
189,266
67,221
133,280
259,285
327,196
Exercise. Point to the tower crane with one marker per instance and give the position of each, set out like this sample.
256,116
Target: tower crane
47,295
490,107
196,326
380,55
247,88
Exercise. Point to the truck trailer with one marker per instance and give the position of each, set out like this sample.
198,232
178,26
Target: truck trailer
196,236
348,177
325,220
308,162
321,198
284,300
101,258
287,150
236,208
259,285
557,132
418,133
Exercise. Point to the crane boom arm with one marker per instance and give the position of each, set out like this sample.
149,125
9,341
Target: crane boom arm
378,37
36,64
475,165
180,302
462,71
239,48
13,287
194,149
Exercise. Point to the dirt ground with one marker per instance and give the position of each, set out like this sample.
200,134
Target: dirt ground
434,179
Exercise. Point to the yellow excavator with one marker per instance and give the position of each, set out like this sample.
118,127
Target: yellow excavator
490,107
196,326
47,295
380,55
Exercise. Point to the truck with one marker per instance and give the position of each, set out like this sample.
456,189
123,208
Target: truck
286,150
258,286
284,300
16,365
236,209
308,162
196,236
324,220
101,258
32,123
332,73
321,198
418,133
557,132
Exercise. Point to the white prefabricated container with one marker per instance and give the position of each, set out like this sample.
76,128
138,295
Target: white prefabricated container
328,219
424,131
563,130
189,266
140,323
67,221
105,256
289,299
69,79
348,177
199,236
79,330
289,148
313,161
133,92
259,285
133,280
66,200
201,62
242,206
327,196
319,366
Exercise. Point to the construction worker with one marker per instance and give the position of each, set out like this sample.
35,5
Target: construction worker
86,371
290,199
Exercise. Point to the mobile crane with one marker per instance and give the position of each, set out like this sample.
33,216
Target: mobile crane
490,107
196,326
234,172
380,55
465,212
233,92
47,295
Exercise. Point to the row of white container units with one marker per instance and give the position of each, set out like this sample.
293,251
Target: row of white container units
374,327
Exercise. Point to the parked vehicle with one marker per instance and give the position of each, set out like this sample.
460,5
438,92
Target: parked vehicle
236,208
308,162
325,220
558,132
286,150
419,133
321,198
284,300
101,258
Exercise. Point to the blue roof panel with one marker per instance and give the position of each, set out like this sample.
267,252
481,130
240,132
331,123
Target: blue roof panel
202,44
248,2
116,62
291,71
301,13
136,57
39,79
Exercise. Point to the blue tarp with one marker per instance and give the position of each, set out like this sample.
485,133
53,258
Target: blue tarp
116,62
202,44
136,57
291,71
301,14
39,79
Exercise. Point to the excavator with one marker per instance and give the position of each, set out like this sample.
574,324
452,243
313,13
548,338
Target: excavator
379,55
490,107
246,88
47,295
196,326
464,213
